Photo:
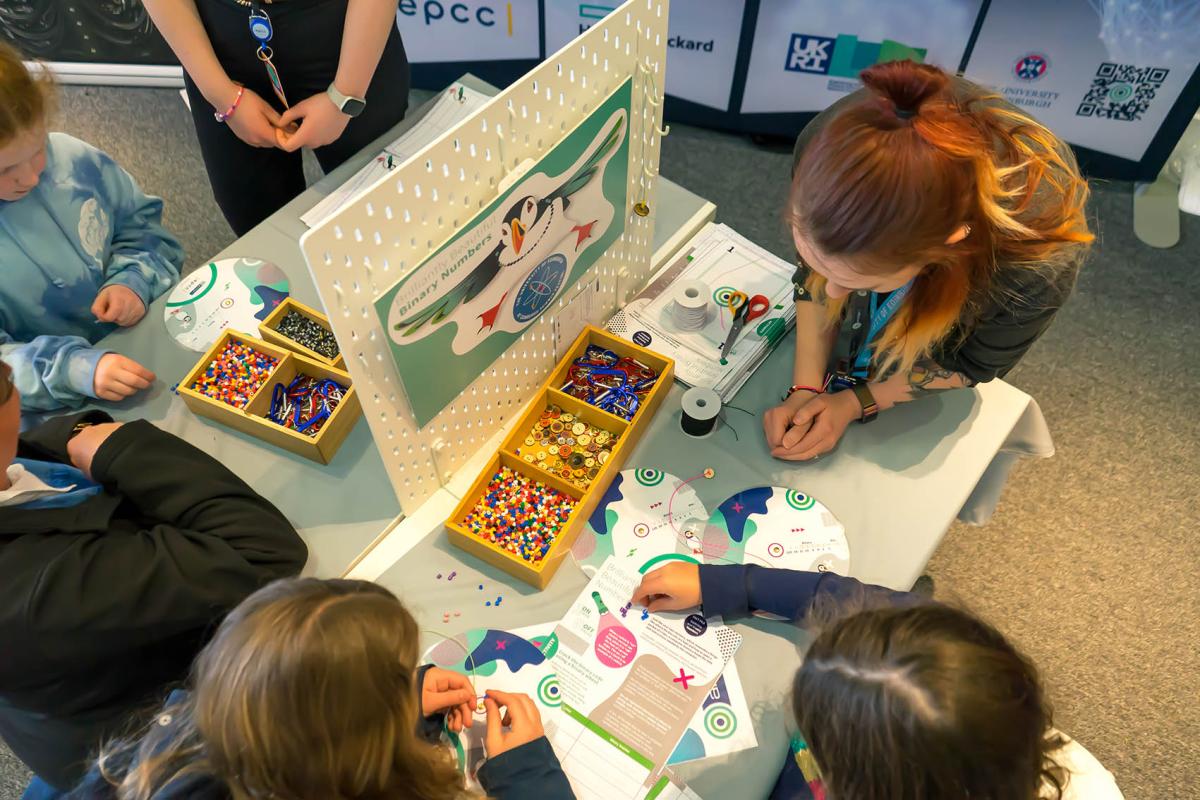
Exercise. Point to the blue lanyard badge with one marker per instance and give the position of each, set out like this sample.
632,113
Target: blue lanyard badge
260,26
880,314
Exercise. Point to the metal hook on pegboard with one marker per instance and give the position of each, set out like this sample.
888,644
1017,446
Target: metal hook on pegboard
652,97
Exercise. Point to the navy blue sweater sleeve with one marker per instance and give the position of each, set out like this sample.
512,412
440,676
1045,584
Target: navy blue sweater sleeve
528,772
736,590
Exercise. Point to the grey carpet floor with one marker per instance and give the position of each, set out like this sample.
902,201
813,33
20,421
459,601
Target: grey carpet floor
1092,564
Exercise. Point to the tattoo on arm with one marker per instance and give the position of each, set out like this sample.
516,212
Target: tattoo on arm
928,376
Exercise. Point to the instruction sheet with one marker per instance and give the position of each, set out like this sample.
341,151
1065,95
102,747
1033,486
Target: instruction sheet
629,685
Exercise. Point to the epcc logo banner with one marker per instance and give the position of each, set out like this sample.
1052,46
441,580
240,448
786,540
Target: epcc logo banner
469,30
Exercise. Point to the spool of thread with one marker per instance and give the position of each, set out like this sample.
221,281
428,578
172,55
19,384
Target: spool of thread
700,409
689,305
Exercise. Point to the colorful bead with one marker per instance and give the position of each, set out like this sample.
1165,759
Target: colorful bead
519,515
235,374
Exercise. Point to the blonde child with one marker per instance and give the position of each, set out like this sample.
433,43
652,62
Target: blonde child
82,251
310,689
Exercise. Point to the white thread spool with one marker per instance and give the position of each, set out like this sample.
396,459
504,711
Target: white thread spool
689,305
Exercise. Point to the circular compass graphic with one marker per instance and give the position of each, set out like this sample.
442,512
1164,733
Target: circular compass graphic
540,288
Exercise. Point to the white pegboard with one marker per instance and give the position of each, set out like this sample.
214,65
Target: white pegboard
379,238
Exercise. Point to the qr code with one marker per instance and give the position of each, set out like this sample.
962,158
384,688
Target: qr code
1121,91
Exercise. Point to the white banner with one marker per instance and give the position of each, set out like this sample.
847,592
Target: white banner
808,53
702,42
469,30
1101,74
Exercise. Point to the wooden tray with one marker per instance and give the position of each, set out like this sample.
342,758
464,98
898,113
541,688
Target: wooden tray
252,418
267,329
587,499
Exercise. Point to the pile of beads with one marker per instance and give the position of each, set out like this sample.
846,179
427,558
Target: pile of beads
518,514
561,443
616,384
235,374
305,404
308,332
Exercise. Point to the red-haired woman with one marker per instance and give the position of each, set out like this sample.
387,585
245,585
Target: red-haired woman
938,231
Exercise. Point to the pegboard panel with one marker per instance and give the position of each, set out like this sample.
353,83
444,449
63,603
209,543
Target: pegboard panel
373,242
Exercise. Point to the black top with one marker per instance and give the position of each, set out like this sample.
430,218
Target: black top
106,602
985,344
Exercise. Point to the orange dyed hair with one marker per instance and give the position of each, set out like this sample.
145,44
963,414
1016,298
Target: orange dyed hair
887,191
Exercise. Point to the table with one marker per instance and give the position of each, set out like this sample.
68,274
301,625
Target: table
896,484
341,509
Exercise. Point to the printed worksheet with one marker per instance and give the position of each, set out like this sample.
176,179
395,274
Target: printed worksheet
452,107
629,685
721,726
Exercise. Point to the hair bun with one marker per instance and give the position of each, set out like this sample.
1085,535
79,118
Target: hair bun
905,85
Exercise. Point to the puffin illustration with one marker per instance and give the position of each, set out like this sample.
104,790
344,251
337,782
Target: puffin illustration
530,230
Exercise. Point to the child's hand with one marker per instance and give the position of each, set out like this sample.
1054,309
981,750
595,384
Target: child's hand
448,691
82,447
673,587
520,716
119,304
118,377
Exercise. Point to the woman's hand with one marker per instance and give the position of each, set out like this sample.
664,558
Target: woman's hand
119,304
777,420
321,122
255,122
818,426
443,690
520,716
672,587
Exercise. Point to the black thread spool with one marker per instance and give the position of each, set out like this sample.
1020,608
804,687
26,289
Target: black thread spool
701,408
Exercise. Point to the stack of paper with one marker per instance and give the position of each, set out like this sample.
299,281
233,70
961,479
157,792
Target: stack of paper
452,107
725,262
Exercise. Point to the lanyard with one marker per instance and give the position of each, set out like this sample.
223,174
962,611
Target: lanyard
262,31
880,314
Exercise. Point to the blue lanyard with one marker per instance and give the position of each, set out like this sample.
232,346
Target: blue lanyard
880,314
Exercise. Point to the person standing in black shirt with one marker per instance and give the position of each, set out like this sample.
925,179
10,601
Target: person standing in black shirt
938,230
340,64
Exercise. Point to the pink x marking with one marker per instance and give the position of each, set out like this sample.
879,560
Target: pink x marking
502,644
683,678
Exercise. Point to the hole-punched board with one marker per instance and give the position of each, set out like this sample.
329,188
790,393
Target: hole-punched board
359,253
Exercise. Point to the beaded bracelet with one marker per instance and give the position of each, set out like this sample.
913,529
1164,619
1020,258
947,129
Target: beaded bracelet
229,111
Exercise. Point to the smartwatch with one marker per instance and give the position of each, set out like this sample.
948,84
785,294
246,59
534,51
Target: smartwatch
350,106
870,409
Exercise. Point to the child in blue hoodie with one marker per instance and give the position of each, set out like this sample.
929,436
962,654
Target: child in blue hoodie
82,251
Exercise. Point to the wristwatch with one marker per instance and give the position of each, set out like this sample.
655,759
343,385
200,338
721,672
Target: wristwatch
350,106
870,409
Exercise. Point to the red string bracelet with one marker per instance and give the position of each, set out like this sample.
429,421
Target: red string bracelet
802,388
229,111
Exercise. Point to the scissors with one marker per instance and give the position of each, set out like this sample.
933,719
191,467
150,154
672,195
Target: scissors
747,310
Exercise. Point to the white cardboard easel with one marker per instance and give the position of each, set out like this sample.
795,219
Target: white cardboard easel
362,251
